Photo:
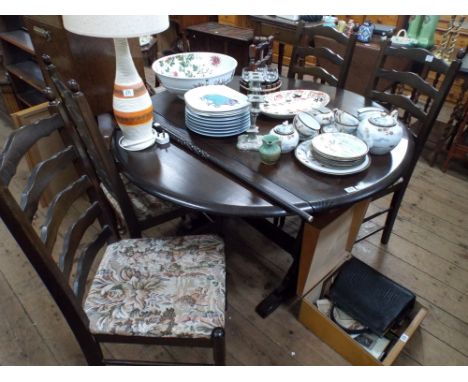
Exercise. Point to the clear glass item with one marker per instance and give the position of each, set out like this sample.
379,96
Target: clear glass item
252,140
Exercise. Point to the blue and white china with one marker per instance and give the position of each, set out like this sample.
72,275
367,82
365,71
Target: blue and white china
184,71
305,155
339,146
365,112
306,125
365,31
323,115
216,111
345,122
288,136
381,131
215,100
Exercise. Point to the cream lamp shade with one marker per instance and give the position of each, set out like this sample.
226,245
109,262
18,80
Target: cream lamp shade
133,109
115,26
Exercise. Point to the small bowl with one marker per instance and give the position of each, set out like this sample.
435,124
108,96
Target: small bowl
345,122
306,125
184,71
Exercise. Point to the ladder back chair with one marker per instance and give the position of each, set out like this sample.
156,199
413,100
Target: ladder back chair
135,207
150,291
311,41
419,101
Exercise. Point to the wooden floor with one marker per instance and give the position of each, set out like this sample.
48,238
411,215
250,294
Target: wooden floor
428,253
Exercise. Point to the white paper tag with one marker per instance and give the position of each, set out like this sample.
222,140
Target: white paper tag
404,337
350,189
128,92
429,58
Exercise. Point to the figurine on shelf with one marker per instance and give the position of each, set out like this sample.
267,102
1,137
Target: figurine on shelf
252,140
349,28
365,31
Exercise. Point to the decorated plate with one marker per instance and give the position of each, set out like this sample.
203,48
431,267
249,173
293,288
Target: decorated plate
287,103
305,156
339,146
215,99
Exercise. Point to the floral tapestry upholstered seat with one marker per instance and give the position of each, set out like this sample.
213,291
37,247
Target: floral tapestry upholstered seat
172,287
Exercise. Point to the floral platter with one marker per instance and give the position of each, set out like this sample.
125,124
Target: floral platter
288,103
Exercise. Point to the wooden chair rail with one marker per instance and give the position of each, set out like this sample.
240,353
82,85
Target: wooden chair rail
41,175
20,141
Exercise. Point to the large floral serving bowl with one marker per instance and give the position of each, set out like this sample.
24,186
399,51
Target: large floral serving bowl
184,71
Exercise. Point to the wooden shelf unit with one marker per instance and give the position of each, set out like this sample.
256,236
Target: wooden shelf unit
26,81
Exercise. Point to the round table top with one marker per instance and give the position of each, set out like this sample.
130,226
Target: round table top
180,176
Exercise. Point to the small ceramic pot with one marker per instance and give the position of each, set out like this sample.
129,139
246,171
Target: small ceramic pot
323,115
270,150
288,136
306,125
381,132
345,122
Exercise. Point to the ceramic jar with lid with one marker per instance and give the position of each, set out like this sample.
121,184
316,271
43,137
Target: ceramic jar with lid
288,136
381,131
323,115
270,150
306,125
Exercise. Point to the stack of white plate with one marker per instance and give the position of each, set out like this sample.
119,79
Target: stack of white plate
334,153
216,111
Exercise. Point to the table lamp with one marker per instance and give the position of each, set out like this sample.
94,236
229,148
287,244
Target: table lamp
133,109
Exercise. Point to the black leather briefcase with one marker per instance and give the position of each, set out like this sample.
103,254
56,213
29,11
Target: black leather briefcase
366,295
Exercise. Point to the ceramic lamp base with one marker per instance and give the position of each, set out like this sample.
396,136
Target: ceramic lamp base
133,109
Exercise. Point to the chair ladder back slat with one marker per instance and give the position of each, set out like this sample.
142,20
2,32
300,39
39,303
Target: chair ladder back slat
332,33
85,261
321,52
318,73
408,78
419,55
71,243
39,257
59,207
400,101
21,140
42,174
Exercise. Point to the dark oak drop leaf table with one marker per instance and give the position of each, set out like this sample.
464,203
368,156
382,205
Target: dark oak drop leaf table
203,174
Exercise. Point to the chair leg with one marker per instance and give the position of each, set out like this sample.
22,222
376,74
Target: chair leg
392,214
219,346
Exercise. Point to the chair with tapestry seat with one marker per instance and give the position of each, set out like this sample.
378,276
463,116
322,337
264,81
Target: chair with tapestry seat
313,44
168,291
418,100
137,209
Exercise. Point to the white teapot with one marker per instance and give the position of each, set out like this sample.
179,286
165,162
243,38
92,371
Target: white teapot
288,136
381,131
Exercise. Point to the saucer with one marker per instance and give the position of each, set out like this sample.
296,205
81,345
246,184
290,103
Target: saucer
137,145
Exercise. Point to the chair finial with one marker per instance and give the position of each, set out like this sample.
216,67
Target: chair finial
73,85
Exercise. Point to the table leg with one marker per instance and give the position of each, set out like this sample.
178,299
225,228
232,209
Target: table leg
318,248
287,288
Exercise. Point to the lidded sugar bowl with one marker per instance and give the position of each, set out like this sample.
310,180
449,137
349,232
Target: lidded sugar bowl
287,135
381,131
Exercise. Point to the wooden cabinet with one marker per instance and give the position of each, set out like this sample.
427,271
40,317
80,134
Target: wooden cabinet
24,78
221,38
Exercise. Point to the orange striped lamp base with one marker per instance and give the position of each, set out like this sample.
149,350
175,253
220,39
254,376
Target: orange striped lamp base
133,109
